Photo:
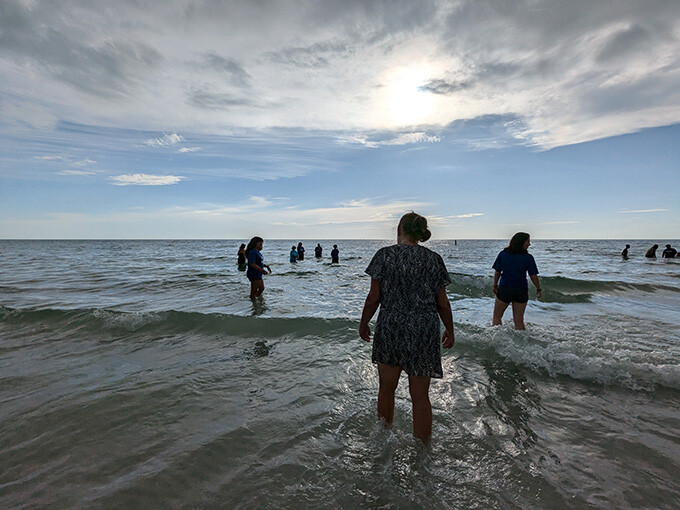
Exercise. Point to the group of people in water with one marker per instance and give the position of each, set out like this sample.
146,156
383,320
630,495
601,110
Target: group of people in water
250,260
668,253
298,253
408,284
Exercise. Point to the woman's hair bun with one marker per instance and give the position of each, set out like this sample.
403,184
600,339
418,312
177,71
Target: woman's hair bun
415,226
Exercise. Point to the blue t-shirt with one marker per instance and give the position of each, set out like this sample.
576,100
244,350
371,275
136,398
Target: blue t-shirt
255,257
293,256
514,268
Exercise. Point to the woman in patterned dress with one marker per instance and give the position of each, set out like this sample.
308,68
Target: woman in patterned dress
408,282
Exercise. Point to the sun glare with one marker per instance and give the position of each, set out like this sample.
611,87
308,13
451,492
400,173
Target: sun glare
405,102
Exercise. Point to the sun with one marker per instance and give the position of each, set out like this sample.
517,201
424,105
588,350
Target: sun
404,101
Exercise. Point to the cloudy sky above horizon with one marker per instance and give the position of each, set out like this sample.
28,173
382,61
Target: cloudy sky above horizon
330,119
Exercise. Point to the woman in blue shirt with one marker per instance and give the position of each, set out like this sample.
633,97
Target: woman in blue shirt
512,266
256,267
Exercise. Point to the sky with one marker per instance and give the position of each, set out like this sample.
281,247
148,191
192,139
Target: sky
329,119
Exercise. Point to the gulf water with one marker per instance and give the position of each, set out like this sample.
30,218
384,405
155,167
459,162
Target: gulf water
138,374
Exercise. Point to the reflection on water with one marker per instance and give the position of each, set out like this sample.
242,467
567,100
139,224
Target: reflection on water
512,399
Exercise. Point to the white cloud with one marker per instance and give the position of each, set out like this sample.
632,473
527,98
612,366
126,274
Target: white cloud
468,215
189,149
145,180
402,139
643,211
165,141
77,172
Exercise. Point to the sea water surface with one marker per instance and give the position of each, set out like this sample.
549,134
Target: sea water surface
138,374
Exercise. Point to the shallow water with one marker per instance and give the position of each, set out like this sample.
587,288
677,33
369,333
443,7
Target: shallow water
138,374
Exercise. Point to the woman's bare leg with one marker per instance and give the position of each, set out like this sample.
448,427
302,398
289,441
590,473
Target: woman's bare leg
419,387
518,314
389,379
256,288
499,308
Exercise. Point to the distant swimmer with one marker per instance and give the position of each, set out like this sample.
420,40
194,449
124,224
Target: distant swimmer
242,257
301,252
318,251
669,252
624,253
651,253
293,254
512,265
335,254
256,267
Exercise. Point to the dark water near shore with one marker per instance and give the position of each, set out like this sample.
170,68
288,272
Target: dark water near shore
138,374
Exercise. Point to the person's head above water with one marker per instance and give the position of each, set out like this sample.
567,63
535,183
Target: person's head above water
414,227
255,243
668,246
519,243
243,245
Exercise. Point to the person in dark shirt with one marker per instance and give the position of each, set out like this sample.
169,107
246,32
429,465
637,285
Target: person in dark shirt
256,267
669,252
242,257
335,254
318,251
301,252
512,265
651,253
624,253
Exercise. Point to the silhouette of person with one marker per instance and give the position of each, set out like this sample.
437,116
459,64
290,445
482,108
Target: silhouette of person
624,253
241,261
318,251
301,252
293,254
335,254
669,252
651,253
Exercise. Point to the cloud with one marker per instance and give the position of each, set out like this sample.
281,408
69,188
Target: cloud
569,71
188,149
77,172
402,139
468,215
166,140
145,180
643,211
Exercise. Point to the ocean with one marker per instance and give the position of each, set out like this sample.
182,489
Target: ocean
138,374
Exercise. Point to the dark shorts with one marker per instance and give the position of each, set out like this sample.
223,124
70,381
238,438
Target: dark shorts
254,278
513,294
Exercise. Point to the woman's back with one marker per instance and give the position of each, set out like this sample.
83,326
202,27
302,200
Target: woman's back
410,277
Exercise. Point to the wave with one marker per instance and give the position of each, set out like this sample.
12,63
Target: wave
172,322
556,289
571,353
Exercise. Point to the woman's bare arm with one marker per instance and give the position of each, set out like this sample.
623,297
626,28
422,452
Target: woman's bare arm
370,306
444,311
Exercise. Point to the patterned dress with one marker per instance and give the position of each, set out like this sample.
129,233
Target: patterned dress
407,330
